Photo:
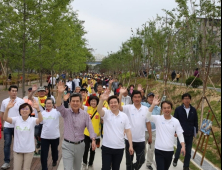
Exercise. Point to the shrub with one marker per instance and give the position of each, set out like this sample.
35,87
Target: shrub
197,83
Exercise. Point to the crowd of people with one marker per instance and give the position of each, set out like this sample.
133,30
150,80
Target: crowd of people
96,108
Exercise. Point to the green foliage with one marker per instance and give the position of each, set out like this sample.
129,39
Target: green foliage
197,83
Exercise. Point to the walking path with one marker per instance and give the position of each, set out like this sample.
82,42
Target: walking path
98,163
36,164
179,84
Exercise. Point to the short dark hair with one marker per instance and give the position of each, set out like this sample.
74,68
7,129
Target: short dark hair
120,84
167,102
113,97
132,86
93,98
99,85
186,95
75,95
136,92
49,98
13,87
25,105
84,85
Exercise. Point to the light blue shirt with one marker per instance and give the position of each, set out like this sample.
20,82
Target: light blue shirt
156,111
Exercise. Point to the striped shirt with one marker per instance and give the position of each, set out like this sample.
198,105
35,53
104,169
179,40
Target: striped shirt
75,124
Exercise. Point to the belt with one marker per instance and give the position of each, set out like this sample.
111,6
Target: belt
75,143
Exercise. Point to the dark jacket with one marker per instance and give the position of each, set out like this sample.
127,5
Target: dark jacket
189,123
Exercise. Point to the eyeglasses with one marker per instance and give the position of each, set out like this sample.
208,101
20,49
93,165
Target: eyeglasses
25,109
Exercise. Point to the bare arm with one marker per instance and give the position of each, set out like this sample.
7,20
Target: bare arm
122,91
103,98
61,89
40,117
149,128
129,137
34,89
2,114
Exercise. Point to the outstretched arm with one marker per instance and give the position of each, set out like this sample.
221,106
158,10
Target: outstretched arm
61,89
5,116
103,98
122,91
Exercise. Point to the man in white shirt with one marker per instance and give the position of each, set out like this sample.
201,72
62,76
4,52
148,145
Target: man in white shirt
52,82
116,123
137,115
166,126
9,128
126,99
76,81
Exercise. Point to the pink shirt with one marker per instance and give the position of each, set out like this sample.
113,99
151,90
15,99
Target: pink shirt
75,124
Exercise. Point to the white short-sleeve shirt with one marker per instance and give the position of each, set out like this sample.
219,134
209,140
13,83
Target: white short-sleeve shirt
24,134
114,127
165,131
138,120
13,112
50,129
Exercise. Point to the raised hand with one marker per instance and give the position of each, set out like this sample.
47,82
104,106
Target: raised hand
140,87
156,101
92,85
35,105
61,87
34,87
105,95
111,82
123,90
11,104
66,97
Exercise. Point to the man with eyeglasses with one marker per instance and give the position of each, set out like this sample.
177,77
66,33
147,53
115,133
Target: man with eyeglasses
8,128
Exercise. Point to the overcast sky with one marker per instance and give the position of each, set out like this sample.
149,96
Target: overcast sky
109,22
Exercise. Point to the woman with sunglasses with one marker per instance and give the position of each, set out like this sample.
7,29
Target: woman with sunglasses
25,127
50,134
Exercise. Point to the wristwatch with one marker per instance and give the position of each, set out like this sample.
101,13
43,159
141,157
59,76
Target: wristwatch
38,111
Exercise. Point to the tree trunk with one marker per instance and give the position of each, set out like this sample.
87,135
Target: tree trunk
24,49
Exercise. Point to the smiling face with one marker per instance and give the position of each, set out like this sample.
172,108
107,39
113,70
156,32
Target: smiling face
100,89
166,109
114,105
75,103
25,112
93,103
49,105
41,93
78,89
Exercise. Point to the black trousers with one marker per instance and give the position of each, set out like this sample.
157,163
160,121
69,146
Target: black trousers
139,149
88,147
163,159
111,157
45,144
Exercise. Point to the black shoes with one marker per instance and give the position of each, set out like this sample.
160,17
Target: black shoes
186,168
54,164
150,167
175,162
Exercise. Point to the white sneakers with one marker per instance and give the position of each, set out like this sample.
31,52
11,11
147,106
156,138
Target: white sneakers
5,166
84,167
90,168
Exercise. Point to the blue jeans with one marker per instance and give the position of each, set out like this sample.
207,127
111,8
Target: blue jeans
189,144
8,133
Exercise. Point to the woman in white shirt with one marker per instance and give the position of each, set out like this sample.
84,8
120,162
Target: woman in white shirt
24,144
50,133
48,93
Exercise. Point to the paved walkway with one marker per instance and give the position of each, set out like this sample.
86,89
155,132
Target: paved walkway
98,164
179,84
